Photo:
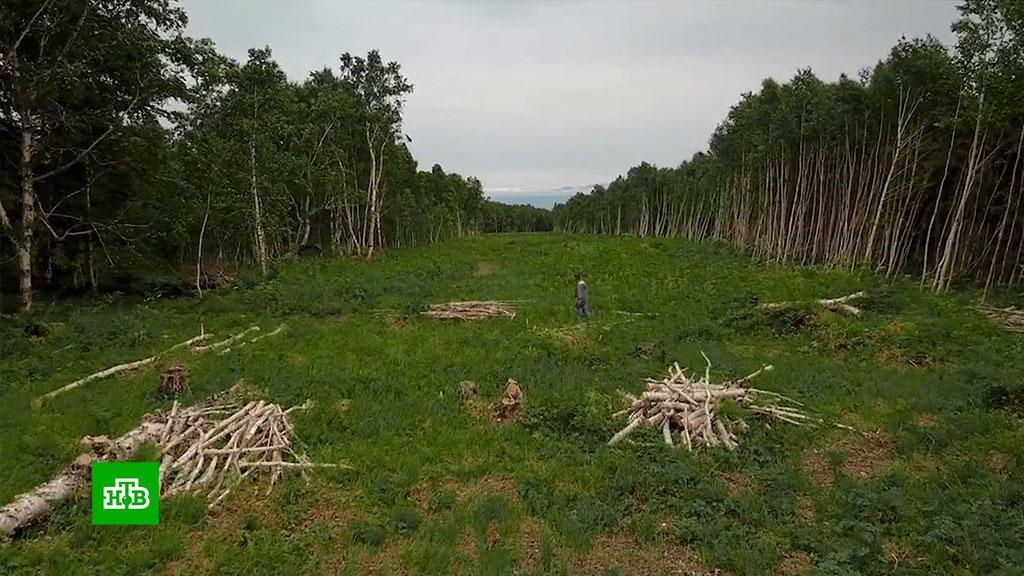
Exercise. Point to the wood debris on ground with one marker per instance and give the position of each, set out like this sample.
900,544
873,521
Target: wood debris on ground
467,390
210,448
33,506
193,344
841,304
173,380
474,310
207,448
686,409
1010,318
510,404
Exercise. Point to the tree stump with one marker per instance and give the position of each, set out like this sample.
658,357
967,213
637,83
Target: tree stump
467,390
173,381
511,404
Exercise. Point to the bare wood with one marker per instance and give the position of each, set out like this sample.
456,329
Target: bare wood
723,434
274,332
666,432
37,504
1011,319
126,367
227,342
471,310
680,405
294,464
97,376
836,304
625,432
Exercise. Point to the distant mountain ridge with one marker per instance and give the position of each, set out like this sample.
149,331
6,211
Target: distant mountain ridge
541,198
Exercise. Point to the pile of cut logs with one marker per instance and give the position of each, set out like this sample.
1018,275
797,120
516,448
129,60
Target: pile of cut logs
210,447
1010,318
685,408
471,310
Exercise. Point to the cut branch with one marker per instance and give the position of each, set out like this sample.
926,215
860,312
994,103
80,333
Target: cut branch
126,367
834,304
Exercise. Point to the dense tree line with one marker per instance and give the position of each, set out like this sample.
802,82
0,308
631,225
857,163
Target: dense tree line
499,217
128,147
913,167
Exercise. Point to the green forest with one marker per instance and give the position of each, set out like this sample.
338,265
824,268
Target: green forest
133,157
911,168
239,320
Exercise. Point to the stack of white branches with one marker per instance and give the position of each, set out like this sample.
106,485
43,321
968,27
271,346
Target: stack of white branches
685,409
1010,318
212,447
209,447
471,310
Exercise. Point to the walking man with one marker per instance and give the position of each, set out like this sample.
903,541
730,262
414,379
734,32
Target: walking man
581,297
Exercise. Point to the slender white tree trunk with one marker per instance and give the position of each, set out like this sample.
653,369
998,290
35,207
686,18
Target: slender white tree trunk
28,217
257,214
199,252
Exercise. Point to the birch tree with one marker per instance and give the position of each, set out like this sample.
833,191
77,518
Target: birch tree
383,90
126,59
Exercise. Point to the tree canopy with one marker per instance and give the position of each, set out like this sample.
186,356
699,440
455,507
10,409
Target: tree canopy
131,151
912,167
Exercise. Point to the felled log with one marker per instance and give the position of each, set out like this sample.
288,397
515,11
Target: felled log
238,337
35,505
210,448
1010,318
228,341
471,310
835,304
126,367
225,345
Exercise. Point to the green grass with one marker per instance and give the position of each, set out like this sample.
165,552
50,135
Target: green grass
436,488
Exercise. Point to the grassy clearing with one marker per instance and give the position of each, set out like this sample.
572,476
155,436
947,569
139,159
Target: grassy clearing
935,485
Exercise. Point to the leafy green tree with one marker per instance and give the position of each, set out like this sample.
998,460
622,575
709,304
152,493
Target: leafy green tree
128,61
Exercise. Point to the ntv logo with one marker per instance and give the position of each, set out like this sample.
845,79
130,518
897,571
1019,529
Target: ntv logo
125,493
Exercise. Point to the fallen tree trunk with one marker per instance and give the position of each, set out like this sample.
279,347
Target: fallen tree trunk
275,332
126,367
36,505
227,342
834,304
208,447
129,366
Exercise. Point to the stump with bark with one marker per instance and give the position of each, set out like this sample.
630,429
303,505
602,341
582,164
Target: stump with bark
510,405
173,381
467,390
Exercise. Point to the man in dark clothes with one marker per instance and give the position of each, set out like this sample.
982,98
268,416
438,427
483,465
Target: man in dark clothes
581,296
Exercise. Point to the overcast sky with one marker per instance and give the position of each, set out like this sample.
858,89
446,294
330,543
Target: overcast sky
543,95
